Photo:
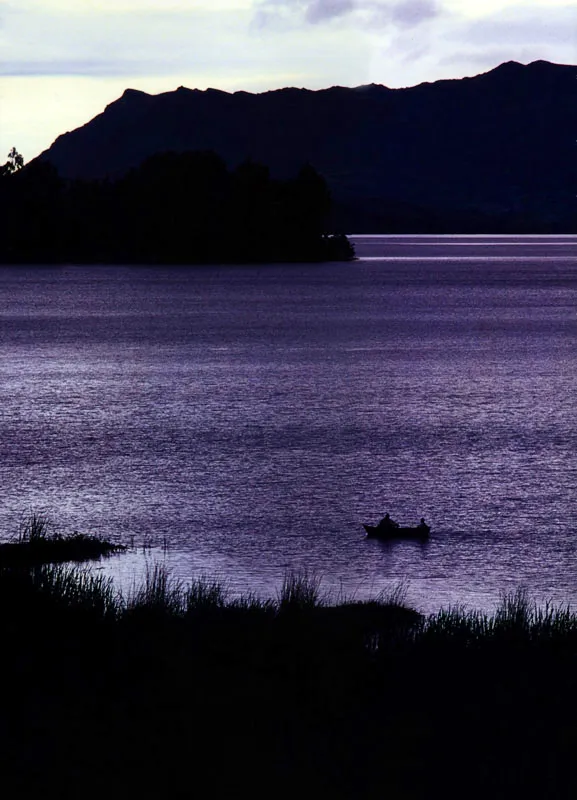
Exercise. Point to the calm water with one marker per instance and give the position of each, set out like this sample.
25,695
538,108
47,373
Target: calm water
251,418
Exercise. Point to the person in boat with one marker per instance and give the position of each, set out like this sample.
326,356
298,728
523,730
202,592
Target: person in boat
387,523
423,526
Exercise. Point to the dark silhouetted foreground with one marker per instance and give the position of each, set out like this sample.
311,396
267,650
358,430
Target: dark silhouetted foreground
179,692
174,209
37,545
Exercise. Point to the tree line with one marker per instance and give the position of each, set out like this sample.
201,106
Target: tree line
174,208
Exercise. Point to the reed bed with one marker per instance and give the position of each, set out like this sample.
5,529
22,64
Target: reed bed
385,620
38,542
355,699
517,620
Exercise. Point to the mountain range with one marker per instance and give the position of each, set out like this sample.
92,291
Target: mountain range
495,152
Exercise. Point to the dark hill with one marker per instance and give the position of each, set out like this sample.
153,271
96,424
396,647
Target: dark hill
495,152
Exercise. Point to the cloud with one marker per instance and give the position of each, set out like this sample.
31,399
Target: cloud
412,12
322,10
53,43
510,35
452,45
543,26
87,67
199,47
359,14
318,40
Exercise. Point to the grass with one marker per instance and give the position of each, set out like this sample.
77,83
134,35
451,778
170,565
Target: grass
37,543
158,594
205,594
35,528
355,699
516,620
78,590
300,591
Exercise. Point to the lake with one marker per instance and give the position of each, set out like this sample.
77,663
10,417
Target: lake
241,421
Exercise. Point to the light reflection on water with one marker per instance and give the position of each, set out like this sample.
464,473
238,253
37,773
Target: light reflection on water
254,417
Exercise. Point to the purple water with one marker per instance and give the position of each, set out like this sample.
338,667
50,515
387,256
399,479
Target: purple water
242,421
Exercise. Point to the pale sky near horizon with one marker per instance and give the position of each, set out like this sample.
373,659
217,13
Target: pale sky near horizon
64,60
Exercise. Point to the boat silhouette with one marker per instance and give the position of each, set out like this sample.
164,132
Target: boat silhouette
393,531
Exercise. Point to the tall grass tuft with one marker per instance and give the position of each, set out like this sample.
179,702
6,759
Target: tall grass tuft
456,627
395,596
77,589
37,543
204,594
516,621
35,527
552,622
159,594
251,602
300,591
514,613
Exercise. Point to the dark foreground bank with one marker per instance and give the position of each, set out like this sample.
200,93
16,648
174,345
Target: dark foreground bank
179,692
36,544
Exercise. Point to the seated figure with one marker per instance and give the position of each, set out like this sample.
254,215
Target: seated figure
388,523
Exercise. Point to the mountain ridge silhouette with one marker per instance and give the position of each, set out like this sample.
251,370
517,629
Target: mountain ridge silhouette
496,146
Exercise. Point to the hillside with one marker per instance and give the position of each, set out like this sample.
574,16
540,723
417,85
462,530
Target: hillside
495,152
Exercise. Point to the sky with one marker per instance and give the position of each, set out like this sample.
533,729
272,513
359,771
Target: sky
63,61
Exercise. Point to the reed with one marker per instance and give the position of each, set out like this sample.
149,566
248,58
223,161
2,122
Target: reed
38,543
396,595
514,613
204,594
385,622
35,527
300,591
159,594
253,603
78,589
356,699
49,591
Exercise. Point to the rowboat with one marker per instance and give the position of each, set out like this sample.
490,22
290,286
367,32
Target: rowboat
400,532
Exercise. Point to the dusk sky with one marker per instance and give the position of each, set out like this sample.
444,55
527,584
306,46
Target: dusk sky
65,60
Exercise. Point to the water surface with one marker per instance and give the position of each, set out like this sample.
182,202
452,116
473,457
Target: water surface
243,421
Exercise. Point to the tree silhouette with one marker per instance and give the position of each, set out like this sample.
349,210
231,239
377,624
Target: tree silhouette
15,162
175,208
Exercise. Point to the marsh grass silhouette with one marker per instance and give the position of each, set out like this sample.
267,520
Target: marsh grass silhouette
36,543
177,686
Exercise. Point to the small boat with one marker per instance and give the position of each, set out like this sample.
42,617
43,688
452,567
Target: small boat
400,532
